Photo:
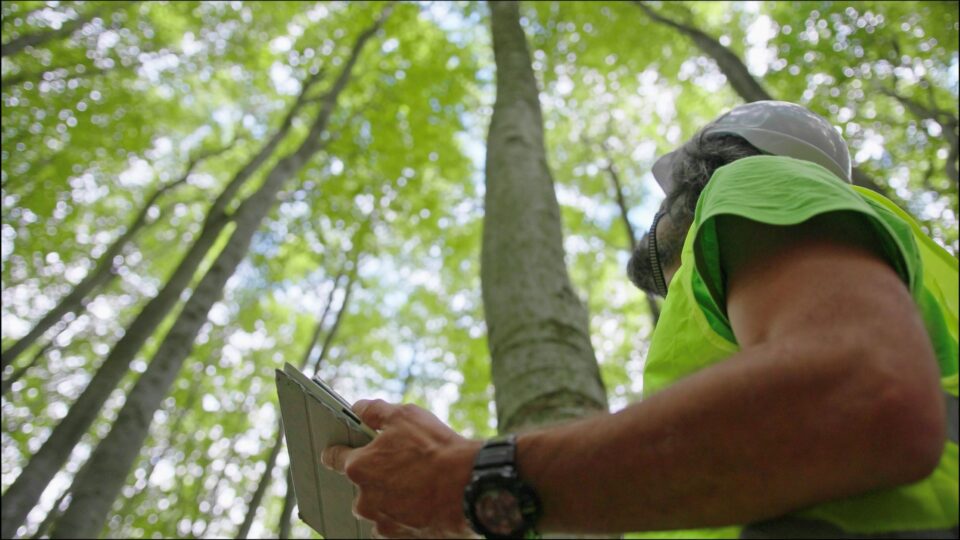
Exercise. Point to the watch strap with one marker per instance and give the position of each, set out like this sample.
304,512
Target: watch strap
497,452
496,461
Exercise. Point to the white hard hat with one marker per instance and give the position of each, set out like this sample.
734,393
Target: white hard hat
778,128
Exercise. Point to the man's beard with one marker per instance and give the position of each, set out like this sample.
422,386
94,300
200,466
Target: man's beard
640,268
669,244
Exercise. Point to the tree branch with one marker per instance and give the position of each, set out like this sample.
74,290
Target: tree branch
614,175
947,121
739,76
42,37
730,65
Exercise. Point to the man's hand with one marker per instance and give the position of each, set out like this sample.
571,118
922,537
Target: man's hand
412,476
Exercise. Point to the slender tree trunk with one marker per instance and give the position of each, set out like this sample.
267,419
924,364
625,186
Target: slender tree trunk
736,72
24,493
286,515
321,322
103,270
624,209
544,367
261,487
258,494
101,478
325,348
213,494
52,515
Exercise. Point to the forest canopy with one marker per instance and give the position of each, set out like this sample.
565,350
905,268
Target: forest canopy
210,189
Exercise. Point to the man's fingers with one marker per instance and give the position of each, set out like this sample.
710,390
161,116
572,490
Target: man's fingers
374,412
335,457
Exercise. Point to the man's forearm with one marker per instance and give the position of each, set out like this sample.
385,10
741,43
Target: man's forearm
750,438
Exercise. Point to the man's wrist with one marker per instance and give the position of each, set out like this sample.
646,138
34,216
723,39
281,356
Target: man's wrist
497,502
459,462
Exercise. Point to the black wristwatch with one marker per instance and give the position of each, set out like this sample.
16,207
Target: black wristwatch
497,503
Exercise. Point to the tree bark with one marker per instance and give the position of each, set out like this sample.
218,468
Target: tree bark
736,72
102,272
100,480
543,364
24,493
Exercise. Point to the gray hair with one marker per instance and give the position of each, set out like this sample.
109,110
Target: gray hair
696,162
699,158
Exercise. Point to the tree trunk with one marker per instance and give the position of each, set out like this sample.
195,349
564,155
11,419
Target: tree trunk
631,237
213,494
24,493
543,364
103,270
743,83
261,487
325,348
100,480
52,515
286,515
272,459
132,502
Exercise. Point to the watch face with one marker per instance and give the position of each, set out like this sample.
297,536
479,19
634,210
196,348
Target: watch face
499,511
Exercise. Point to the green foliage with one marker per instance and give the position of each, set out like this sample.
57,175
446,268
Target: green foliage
94,122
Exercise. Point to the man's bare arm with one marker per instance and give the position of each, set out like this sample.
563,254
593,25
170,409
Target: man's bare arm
835,392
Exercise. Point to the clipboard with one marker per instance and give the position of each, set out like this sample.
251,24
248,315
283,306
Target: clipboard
314,417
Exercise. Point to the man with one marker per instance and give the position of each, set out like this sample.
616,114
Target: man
802,379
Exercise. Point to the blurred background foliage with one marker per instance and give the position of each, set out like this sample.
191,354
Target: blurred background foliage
104,102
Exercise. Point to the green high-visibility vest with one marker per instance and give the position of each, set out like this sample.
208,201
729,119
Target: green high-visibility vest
693,331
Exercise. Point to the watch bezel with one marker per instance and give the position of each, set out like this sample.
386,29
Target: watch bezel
503,478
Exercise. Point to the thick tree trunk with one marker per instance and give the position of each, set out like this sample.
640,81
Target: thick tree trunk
103,271
544,367
100,480
24,493
736,72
